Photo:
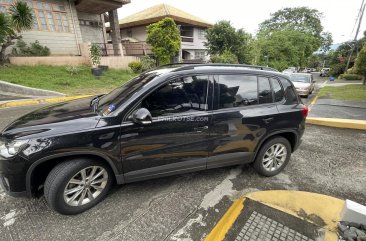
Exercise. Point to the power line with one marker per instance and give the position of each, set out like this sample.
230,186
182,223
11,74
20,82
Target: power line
358,16
355,39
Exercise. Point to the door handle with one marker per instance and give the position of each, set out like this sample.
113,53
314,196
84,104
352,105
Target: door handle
200,129
268,120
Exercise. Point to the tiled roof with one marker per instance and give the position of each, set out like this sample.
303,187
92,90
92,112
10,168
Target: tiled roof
158,12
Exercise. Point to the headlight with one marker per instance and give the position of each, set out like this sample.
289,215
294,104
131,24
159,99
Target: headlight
9,149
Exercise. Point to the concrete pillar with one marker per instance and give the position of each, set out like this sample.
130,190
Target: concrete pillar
116,35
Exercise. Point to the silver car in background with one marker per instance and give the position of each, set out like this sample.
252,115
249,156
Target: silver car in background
304,83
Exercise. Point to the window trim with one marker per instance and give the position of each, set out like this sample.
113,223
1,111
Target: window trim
248,106
132,108
283,90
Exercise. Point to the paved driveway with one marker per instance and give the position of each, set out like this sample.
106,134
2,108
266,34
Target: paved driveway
186,207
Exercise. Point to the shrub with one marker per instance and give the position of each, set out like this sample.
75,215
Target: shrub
226,57
147,63
351,77
34,49
73,70
337,69
95,54
136,67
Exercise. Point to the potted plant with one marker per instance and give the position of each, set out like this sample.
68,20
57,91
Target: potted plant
95,57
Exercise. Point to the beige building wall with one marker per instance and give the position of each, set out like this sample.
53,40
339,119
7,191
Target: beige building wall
60,43
93,34
139,33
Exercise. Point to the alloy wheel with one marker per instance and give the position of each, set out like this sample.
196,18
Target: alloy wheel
86,186
274,157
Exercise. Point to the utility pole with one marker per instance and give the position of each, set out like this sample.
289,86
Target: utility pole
362,10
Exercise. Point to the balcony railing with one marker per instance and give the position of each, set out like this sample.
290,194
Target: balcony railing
106,49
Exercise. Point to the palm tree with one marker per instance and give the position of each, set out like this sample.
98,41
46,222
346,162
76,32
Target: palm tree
19,18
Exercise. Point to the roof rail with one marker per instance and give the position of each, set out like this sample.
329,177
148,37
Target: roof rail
186,66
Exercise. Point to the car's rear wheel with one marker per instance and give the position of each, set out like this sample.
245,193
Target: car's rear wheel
273,157
77,185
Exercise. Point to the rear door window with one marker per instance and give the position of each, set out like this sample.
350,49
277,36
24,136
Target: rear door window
235,91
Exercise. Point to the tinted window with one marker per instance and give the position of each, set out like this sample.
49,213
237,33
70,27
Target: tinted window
277,90
236,91
265,92
181,95
290,92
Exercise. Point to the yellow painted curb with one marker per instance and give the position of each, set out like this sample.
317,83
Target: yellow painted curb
41,101
305,205
223,226
335,122
313,101
310,207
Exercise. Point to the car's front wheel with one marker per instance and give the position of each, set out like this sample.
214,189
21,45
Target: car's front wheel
75,186
273,157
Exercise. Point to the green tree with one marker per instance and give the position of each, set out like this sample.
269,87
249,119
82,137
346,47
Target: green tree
226,57
302,19
164,37
19,18
360,65
285,48
223,37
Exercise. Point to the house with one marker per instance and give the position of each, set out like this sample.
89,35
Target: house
65,25
134,31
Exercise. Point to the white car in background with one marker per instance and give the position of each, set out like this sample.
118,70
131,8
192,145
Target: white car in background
304,83
290,70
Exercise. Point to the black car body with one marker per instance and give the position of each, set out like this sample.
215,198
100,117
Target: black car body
167,121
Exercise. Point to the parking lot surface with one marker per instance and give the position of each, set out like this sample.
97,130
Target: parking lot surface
186,207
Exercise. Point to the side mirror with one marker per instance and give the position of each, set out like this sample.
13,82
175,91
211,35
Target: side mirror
142,116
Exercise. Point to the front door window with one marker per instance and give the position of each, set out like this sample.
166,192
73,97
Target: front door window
181,95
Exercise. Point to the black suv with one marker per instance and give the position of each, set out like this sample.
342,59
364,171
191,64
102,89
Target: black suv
171,120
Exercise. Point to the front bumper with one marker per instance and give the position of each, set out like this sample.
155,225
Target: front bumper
13,176
4,185
303,92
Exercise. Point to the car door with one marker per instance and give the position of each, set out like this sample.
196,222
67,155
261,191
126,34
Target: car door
177,139
243,113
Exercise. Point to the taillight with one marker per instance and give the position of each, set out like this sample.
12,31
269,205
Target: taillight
305,111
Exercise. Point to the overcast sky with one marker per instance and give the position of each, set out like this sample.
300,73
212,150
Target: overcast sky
339,15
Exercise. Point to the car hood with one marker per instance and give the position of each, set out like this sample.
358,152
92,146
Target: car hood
63,117
301,85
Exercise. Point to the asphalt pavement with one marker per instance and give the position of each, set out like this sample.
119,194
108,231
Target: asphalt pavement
186,207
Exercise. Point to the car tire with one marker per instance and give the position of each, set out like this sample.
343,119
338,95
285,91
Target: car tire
77,177
264,157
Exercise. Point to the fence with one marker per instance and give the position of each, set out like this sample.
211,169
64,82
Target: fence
136,49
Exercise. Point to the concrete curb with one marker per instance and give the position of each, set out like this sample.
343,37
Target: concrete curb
304,205
19,89
339,123
40,101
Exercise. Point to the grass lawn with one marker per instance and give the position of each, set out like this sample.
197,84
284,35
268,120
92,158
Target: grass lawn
347,92
57,78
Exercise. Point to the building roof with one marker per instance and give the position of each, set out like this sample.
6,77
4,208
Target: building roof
157,13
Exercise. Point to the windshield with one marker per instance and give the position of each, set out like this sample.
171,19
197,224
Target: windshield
110,102
300,78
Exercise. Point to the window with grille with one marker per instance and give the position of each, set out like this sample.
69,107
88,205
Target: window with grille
50,15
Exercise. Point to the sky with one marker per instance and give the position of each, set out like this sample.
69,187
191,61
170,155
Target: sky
339,15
